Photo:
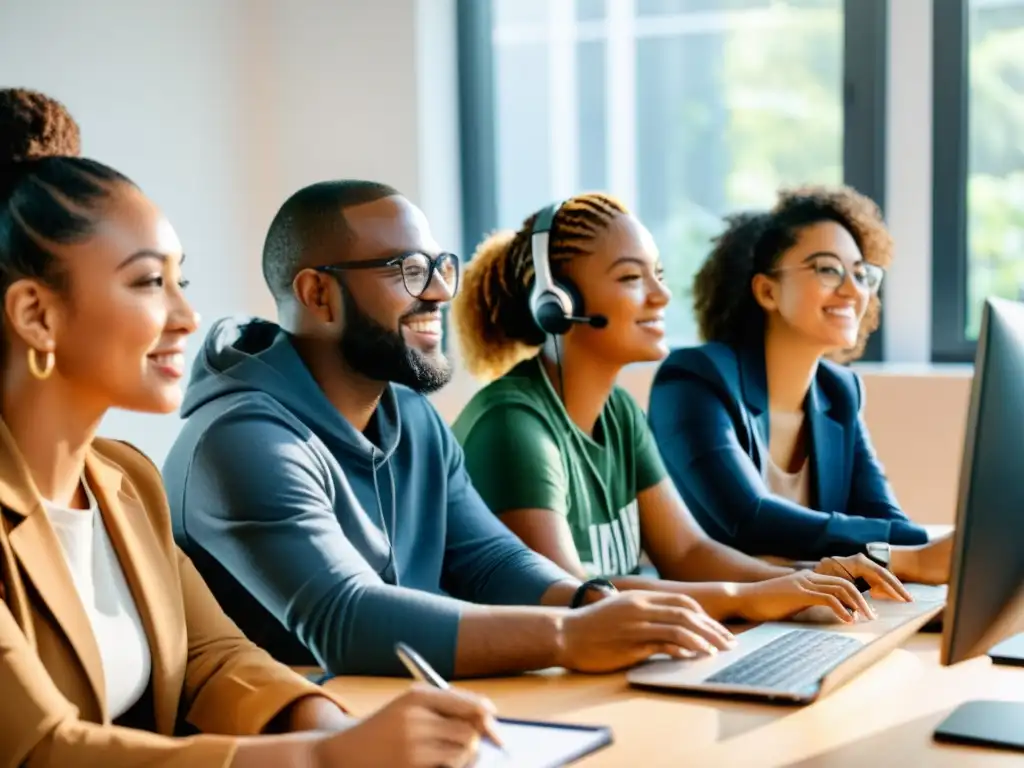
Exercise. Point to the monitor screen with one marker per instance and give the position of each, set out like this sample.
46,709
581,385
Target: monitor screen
985,602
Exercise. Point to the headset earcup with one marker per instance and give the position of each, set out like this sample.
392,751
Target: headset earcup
550,317
575,297
548,309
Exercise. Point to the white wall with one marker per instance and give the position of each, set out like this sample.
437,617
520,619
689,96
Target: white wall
220,109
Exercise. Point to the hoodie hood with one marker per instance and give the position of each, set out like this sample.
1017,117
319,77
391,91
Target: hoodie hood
245,354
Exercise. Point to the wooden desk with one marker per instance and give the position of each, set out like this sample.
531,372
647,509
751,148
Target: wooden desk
885,717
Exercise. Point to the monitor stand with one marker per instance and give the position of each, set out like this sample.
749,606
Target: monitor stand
997,724
1009,652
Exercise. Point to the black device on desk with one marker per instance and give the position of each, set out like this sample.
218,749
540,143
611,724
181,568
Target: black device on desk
1009,652
986,586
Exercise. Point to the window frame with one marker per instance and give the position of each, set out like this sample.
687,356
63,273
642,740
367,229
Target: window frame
864,97
950,150
477,135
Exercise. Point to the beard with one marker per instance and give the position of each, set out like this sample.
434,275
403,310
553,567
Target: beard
381,354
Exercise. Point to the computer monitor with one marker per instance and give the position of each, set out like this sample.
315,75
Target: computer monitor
986,587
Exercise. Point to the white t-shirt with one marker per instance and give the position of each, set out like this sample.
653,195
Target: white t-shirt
124,648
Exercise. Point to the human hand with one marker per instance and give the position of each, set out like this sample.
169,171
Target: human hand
882,582
424,728
784,596
620,631
925,564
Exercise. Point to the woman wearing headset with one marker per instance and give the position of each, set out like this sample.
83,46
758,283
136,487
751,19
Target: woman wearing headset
110,643
564,456
762,434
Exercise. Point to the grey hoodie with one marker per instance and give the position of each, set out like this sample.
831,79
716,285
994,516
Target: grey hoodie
323,545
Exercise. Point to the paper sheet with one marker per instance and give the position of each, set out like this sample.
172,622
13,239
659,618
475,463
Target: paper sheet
539,746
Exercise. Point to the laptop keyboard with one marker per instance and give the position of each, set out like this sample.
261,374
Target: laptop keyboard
791,662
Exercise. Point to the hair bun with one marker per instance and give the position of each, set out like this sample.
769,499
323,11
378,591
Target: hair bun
33,126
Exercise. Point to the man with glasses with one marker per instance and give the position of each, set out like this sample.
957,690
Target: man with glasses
325,501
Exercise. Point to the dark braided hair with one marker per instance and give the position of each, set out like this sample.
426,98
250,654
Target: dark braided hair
753,242
491,312
48,194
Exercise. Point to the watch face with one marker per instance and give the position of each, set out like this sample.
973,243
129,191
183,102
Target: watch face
880,552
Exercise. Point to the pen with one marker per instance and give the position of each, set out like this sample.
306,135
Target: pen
422,671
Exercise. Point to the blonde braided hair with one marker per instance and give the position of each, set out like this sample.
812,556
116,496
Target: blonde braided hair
491,313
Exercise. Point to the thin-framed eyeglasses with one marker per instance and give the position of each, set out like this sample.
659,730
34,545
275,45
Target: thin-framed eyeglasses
832,272
417,268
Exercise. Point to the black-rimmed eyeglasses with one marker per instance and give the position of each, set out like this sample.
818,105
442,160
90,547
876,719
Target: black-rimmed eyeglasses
417,268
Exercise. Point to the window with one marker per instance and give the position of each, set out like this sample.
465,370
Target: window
686,109
978,166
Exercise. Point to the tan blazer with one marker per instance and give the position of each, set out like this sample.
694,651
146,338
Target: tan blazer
52,701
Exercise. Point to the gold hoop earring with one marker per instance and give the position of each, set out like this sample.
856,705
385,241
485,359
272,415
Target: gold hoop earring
33,364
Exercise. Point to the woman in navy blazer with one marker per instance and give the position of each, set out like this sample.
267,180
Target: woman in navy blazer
762,435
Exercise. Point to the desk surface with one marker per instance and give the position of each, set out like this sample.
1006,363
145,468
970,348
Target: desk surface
884,717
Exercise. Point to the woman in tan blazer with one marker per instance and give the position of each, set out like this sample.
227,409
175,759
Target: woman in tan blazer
111,646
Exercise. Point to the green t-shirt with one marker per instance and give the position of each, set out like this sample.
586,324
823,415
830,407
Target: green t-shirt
524,452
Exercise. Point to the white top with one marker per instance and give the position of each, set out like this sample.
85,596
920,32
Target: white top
124,648
794,486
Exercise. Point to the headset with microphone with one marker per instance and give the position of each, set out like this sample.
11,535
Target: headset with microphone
555,305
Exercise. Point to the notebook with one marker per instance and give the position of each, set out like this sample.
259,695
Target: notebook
542,745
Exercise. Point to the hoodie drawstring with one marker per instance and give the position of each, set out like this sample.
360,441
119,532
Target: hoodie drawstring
380,512
394,519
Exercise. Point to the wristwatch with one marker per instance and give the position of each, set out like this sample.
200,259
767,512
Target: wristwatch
599,585
879,552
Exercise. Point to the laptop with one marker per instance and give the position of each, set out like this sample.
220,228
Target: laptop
796,661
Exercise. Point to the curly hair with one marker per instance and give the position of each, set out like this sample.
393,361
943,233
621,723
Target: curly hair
491,312
48,193
34,125
752,243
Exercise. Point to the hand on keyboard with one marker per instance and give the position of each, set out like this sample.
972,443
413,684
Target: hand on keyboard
620,631
882,582
782,597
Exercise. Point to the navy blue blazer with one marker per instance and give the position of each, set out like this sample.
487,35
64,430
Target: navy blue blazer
709,415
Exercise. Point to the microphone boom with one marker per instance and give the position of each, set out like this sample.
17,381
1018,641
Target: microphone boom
594,321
